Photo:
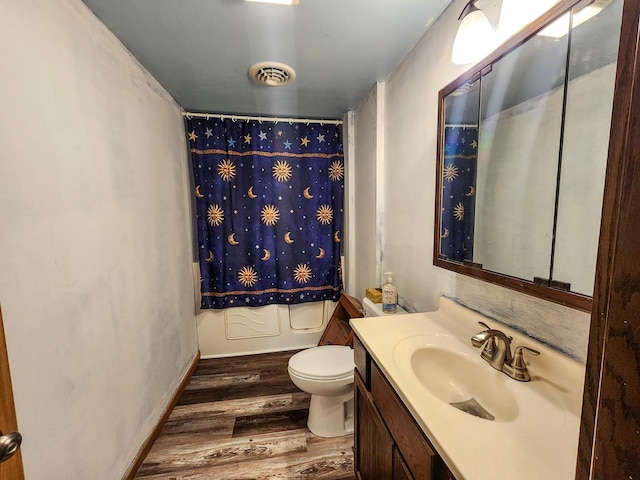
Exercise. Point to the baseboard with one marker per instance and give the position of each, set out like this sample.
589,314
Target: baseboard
146,446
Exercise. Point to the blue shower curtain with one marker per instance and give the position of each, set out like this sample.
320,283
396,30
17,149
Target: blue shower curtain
269,205
458,193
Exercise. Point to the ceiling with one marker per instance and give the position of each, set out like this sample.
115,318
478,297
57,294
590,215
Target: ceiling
200,50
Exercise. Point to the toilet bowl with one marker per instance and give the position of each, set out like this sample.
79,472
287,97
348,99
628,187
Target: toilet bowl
326,373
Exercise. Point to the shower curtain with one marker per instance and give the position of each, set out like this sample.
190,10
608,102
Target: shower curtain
269,207
458,194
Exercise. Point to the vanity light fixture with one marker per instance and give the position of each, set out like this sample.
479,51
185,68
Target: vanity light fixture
276,2
475,37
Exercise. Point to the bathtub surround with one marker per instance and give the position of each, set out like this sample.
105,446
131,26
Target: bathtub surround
246,330
95,245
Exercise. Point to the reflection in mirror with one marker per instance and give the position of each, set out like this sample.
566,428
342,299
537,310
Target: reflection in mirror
520,126
460,159
592,71
522,154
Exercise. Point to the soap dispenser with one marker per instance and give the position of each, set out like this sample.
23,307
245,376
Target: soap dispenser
389,294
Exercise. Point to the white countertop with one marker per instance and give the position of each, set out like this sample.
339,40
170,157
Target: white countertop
539,440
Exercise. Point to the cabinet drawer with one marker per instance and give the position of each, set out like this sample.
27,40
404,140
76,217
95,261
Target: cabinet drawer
362,360
413,445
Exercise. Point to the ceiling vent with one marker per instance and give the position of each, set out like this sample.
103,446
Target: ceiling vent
272,74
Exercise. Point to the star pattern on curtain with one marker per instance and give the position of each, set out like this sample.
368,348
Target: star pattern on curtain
269,206
458,192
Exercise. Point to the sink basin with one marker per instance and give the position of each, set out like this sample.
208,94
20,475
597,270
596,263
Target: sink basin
464,383
442,366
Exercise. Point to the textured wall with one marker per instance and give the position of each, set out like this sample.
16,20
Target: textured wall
95,269
363,225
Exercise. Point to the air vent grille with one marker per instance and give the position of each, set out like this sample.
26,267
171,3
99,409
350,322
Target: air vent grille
272,74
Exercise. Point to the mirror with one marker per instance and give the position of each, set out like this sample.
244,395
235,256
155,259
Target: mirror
522,156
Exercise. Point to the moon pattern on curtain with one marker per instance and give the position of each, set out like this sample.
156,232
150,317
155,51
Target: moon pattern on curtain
458,193
269,204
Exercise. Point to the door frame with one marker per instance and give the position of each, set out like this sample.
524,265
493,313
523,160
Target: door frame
608,443
12,469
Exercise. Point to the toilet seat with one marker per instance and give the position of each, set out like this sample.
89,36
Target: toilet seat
328,362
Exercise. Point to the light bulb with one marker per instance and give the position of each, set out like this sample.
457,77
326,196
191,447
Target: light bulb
475,39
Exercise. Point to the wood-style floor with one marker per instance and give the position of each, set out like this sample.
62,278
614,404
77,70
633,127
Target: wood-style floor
243,418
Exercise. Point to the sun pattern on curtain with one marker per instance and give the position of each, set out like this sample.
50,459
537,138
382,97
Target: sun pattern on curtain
458,195
269,204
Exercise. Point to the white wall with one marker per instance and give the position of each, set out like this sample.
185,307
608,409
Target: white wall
410,121
363,221
95,282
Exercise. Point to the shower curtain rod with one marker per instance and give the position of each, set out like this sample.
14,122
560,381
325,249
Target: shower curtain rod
261,119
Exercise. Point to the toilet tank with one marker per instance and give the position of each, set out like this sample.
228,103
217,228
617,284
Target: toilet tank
375,309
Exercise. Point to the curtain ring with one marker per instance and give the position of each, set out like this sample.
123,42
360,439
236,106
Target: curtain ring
188,116
260,120
246,120
321,123
206,117
222,117
233,118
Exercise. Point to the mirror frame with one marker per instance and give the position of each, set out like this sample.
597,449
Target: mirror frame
556,295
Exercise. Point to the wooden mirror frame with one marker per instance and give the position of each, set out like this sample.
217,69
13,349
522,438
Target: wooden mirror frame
556,295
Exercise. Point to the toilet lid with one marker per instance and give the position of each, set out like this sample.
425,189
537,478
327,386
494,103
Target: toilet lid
327,361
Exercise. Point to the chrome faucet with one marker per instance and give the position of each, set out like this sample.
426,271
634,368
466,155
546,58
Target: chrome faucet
497,352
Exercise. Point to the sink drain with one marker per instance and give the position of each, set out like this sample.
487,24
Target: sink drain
472,407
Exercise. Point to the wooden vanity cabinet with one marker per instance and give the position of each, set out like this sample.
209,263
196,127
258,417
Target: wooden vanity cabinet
389,444
374,448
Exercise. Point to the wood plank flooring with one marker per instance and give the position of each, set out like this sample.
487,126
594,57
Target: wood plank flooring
242,418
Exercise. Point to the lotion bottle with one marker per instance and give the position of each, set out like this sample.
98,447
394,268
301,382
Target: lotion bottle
389,294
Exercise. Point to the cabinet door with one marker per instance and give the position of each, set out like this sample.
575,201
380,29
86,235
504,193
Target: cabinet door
411,441
333,335
400,469
373,443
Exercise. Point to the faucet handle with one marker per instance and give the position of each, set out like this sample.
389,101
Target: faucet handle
518,368
530,350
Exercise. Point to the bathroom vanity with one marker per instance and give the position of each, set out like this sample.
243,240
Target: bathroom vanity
385,431
417,380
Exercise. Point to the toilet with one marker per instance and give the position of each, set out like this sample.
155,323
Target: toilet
375,309
326,372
